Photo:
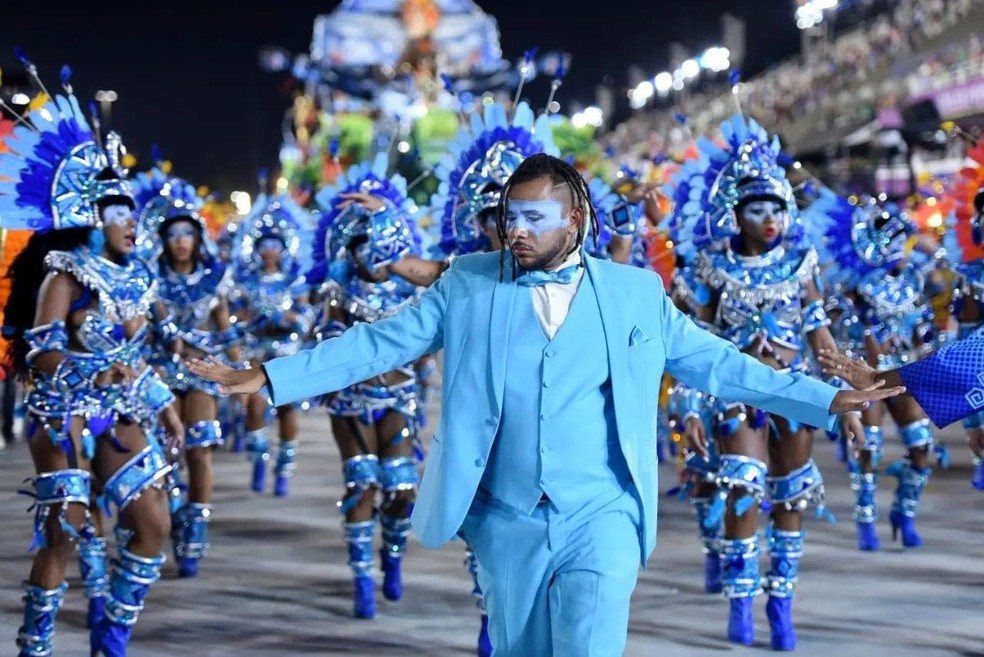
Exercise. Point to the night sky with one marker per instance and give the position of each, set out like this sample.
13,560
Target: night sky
187,76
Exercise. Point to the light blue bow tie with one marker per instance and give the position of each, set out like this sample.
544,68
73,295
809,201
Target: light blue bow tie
538,277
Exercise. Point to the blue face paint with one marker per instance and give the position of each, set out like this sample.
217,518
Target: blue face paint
180,230
535,217
271,244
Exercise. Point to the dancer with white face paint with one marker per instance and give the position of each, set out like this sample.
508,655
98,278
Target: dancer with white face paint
543,458
78,312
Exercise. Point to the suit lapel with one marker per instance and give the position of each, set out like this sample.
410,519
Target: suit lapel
499,319
611,307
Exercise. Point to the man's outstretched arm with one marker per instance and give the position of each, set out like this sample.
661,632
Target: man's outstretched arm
360,353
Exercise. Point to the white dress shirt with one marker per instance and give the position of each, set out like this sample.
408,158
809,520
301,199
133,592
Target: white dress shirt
552,301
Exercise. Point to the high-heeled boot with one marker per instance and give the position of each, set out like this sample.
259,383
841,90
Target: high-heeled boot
358,536
740,577
978,479
786,549
396,531
94,569
34,638
912,480
284,468
710,538
130,581
258,449
865,485
191,543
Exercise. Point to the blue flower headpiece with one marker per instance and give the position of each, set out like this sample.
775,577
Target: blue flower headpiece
48,179
390,235
481,158
707,191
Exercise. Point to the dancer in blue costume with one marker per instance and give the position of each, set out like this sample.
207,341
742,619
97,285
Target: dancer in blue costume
762,292
270,303
78,316
366,268
543,459
193,289
486,152
891,321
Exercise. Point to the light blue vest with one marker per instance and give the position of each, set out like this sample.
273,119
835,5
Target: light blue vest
557,435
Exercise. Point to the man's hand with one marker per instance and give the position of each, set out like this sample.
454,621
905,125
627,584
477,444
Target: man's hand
231,382
175,432
693,431
855,371
846,401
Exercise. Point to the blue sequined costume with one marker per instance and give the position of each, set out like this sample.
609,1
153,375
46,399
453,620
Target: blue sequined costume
351,245
272,310
53,178
765,304
189,300
884,305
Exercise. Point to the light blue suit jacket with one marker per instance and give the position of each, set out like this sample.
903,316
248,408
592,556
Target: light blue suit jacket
467,313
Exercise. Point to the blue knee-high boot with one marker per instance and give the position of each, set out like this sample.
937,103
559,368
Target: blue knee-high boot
131,579
358,536
484,642
258,449
978,479
34,638
191,537
740,576
94,569
912,480
284,468
865,485
786,549
396,531
710,537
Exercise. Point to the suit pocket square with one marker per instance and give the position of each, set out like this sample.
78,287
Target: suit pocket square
638,336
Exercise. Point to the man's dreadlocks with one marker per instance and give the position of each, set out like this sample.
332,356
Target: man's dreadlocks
560,172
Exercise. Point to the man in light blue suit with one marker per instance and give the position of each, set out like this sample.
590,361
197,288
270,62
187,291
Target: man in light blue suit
544,457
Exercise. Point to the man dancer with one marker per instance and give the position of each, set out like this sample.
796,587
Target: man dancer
544,459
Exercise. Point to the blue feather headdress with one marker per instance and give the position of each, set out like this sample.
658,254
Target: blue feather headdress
858,238
485,153
48,179
398,236
838,258
277,216
707,191
161,198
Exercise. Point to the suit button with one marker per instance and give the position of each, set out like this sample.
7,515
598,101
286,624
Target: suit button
543,416
548,354
543,482
479,462
492,421
546,384
544,450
